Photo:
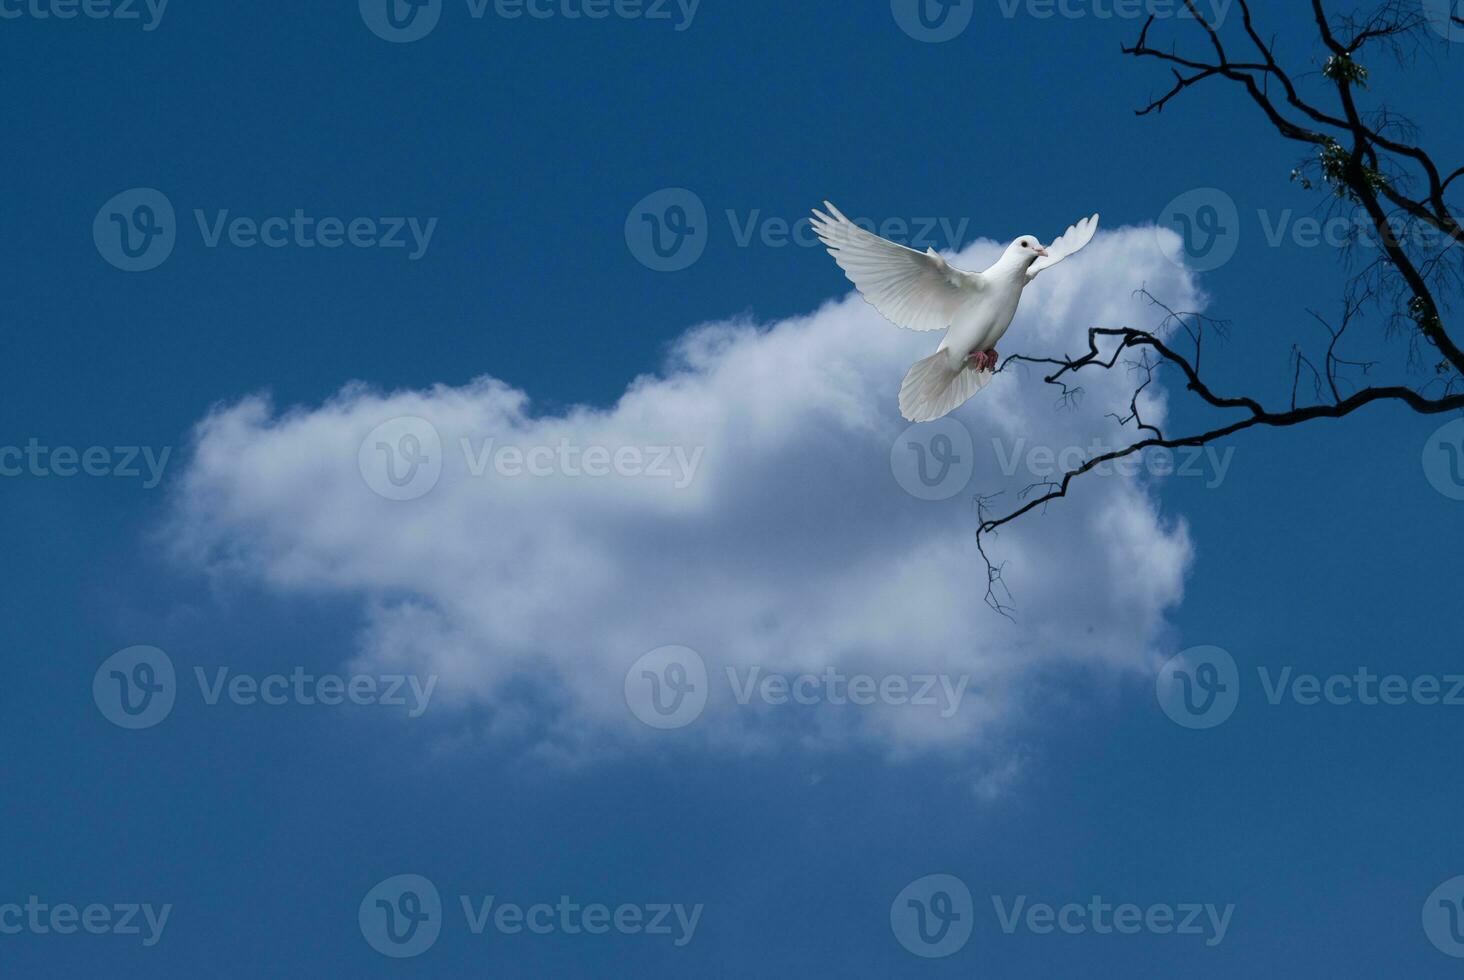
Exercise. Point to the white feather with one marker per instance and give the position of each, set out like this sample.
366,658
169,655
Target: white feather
914,290
1067,243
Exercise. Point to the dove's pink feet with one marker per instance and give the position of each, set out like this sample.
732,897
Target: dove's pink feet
982,360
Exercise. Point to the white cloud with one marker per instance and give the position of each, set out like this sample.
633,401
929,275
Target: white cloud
791,548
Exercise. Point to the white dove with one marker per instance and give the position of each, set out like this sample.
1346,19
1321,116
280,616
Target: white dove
920,291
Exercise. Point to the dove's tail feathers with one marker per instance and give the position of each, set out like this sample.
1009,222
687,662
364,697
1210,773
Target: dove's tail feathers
935,386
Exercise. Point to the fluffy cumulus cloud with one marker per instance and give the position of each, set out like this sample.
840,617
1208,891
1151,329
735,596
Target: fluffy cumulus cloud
757,500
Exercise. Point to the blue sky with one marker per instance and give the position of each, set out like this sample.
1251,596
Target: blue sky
530,141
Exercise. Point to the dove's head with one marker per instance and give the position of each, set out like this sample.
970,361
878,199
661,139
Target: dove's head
1027,249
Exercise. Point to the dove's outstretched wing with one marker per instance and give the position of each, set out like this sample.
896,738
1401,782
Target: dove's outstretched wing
1067,243
914,290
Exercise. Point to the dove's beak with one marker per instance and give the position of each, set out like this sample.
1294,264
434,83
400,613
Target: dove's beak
1041,251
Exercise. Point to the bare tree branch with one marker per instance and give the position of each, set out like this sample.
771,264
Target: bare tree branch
1368,158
